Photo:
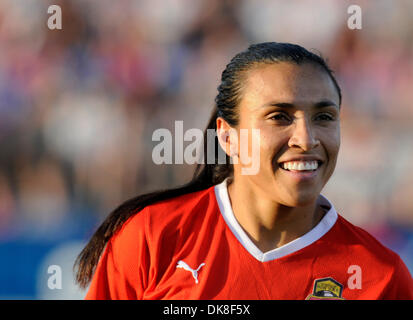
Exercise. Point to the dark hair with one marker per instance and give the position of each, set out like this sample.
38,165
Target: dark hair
205,175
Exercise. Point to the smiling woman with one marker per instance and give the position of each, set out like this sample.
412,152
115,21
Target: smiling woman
269,235
295,107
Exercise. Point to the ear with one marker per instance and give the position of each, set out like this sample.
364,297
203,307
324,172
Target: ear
227,137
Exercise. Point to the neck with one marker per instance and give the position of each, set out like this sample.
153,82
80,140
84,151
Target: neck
270,224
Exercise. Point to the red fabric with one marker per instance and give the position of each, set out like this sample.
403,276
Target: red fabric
140,261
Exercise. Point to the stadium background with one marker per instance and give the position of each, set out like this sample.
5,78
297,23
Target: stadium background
78,107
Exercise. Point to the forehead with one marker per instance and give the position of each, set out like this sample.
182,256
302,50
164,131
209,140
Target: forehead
287,82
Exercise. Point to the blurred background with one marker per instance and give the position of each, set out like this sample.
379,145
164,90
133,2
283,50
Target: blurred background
78,107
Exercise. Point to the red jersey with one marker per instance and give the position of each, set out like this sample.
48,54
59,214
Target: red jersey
192,247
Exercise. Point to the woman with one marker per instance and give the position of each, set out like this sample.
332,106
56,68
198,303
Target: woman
268,235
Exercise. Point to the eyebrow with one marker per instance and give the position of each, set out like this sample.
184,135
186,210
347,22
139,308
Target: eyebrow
318,105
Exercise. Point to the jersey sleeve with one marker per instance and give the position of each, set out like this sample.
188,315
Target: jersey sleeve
401,284
122,271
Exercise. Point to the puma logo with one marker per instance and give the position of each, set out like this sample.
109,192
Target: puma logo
183,265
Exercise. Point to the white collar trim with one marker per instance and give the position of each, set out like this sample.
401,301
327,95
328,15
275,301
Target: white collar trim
326,223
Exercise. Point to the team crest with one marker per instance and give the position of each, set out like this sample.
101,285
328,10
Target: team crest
326,289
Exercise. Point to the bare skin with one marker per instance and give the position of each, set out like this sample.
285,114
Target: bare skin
296,109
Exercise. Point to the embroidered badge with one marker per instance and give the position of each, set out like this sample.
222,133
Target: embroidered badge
326,289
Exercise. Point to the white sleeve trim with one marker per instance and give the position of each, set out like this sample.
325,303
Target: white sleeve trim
326,223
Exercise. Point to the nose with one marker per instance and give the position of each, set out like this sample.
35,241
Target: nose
303,136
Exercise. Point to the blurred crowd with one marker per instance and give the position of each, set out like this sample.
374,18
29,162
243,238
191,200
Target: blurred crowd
78,106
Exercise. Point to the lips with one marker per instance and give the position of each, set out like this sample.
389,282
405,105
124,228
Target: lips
301,169
301,165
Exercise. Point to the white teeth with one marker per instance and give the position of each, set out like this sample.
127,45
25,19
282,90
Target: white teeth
300,165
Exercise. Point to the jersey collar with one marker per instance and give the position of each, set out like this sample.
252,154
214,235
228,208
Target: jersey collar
326,223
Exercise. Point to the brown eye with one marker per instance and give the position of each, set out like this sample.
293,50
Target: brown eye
280,117
324,117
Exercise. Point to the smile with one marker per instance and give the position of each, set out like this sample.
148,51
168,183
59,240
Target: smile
300,165
301,170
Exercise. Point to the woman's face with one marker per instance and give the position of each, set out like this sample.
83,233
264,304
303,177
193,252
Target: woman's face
296,109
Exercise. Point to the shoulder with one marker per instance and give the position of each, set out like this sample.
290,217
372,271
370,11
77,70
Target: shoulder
184,203
364,245
384,274
170,213
156,232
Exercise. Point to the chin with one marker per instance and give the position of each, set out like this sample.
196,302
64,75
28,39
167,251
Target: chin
302,199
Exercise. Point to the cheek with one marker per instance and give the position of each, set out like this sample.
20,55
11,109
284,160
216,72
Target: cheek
332,147
330,140
272,145
333,143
